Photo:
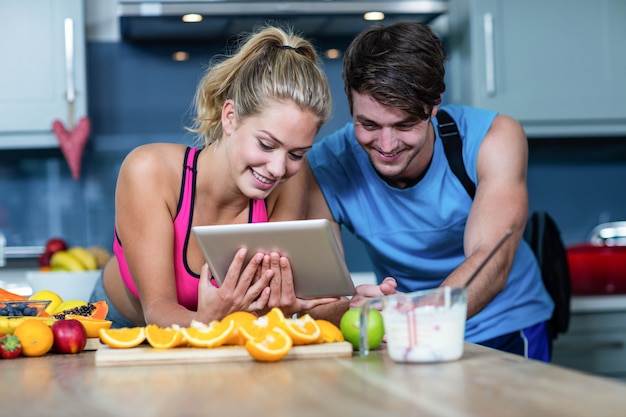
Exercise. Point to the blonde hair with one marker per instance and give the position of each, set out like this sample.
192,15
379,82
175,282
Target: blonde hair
271,64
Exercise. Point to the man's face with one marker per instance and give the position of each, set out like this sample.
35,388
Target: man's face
399,146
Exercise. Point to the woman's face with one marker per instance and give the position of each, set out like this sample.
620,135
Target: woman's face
267,149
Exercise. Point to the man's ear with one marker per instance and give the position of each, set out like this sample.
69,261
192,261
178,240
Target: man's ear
228,117
433,113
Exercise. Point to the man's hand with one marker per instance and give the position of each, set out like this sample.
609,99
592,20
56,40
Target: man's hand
365,291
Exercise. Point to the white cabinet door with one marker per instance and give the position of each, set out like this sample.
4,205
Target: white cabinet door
558,66
36,75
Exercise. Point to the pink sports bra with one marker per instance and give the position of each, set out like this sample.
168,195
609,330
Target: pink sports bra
186,280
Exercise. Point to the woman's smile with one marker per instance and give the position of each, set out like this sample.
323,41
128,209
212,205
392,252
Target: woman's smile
263,181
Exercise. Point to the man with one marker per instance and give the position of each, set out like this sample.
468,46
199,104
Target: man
385,177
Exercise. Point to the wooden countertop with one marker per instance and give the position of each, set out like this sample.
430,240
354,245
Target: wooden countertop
484,382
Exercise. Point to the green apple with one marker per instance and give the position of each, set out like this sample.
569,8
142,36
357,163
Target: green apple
350,322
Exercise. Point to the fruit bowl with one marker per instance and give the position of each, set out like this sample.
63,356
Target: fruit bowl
21,308
68,285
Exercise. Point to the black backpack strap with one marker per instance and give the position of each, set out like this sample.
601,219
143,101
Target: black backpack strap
541,233
453,147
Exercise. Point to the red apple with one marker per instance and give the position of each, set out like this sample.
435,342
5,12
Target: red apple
54,245
44,259
70,336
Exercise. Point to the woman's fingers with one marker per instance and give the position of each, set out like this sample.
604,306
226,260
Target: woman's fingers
234,270
276,282
287,289
260,303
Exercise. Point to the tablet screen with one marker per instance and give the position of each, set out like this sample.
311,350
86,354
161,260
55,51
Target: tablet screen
319,268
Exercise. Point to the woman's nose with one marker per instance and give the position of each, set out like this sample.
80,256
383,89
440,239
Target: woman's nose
277,166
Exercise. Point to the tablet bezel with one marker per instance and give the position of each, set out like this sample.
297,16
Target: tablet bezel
319,268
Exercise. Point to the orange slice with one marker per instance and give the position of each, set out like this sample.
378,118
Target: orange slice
241,319
274,318
92,325
303,330
164,337
126,337
209,336
269,345
329,333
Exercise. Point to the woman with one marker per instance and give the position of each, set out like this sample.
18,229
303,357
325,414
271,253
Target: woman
258,112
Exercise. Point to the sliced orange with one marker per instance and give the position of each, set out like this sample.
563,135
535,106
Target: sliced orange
329,333
125,337
209,336
241,319
269,345
274,318
92,325
303,330
165,337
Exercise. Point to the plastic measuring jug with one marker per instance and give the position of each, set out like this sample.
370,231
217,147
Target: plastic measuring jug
422,326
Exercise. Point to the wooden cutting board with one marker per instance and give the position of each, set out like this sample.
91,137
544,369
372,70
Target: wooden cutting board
146,355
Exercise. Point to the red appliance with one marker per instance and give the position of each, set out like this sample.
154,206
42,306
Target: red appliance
599,267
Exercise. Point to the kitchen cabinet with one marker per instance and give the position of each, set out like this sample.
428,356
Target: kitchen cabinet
42,71
557,66
596,339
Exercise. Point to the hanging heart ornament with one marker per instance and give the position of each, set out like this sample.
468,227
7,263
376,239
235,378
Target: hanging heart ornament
73,143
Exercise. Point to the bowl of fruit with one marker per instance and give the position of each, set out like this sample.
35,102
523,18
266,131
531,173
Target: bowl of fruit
22,308
71,271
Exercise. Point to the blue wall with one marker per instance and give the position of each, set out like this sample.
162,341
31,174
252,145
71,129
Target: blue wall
137,95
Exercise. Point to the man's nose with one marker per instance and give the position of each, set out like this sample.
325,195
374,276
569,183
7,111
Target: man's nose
386,142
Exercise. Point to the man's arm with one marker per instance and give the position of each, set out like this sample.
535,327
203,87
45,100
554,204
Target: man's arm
316,203
501,203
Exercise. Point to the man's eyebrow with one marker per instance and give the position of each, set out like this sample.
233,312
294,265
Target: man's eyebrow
407,120
363,119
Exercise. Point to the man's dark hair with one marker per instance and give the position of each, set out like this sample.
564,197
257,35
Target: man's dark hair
401,66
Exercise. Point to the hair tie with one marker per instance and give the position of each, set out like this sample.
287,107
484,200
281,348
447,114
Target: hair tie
289,47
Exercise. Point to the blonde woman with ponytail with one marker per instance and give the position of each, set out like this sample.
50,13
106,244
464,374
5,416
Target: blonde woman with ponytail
257,113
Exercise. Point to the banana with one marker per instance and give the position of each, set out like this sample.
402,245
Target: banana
101,254
85,257
65,261
9,324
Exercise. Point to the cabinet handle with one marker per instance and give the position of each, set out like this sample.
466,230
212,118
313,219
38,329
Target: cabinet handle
490,76
70,94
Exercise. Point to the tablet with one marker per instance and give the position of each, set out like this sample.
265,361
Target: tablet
319,269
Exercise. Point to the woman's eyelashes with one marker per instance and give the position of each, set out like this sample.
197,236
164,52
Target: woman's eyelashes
268,147
265,146
296,156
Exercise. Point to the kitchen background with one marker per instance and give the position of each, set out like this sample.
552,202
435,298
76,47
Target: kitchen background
551,57
556,65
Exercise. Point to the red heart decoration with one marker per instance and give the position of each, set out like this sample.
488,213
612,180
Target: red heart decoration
73,143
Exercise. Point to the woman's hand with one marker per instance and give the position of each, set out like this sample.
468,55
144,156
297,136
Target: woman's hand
282,292
365,291
242,290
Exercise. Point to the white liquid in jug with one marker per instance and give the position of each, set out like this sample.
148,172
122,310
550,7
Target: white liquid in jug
425,334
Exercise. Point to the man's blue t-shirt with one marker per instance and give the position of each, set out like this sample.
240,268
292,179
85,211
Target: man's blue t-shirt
416,234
